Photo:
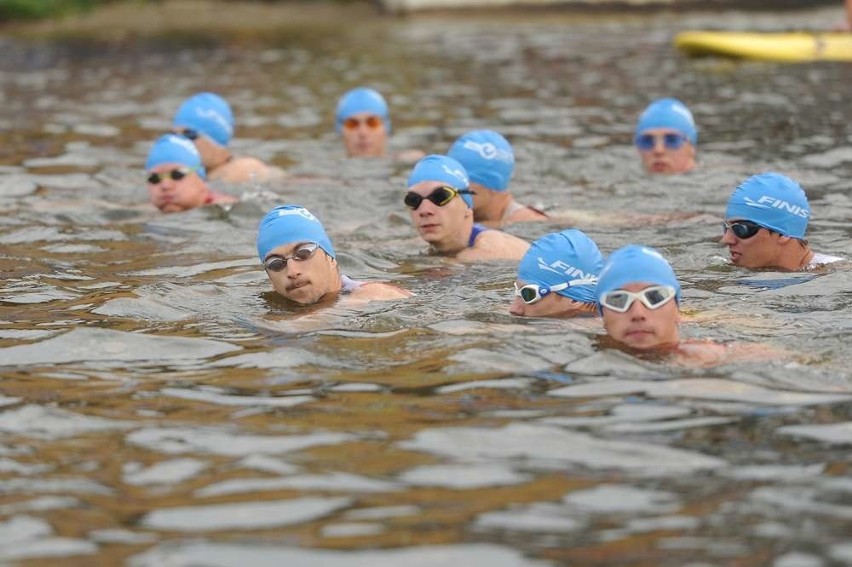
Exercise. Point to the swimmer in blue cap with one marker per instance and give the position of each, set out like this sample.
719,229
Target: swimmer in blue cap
301,264
363,120
176,176
666,137
557,276
639,298
765,225
440,203
207,120
489,161
638,295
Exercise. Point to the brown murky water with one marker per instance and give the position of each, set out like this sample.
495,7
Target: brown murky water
159,408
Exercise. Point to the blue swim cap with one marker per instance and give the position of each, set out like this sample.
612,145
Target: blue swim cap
635,264
773,201
209,114
668,113
171,148
287,224
560,257
487,156
358,100
444,170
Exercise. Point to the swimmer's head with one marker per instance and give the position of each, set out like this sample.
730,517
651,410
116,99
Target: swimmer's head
668,113
442,169
773,201
174,149
362,100
487,157
635,264
208,114
561,257
288,224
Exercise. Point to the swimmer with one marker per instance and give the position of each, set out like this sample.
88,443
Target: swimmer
765,225
557,277
639,298
176,176
440,203
363,120
666,137
207,120
489,161
300,261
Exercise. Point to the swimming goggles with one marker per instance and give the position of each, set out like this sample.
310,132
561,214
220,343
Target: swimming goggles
189,134
176,174
372,122
440,196
671,140
742,229
652,297
533,293
276,262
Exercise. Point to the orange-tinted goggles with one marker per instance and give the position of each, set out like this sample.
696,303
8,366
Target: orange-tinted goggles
372,122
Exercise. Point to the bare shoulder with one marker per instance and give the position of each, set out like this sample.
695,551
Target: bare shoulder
245,169
379,291
222,198
495,245
410,156
709,353
526,214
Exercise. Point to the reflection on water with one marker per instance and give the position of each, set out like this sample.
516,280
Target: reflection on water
158,407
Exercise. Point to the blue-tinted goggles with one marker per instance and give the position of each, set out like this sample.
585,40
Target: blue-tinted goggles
671,140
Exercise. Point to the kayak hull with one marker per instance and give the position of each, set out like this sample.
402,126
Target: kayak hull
795,47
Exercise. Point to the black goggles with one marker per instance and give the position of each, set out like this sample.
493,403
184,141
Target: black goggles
440,196
742,229
276,263
189,133
652,297
176,174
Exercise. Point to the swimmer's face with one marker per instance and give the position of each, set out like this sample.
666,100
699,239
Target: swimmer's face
178,188
365,135
307,278
551,305
440,225
762,250
642,328
658,152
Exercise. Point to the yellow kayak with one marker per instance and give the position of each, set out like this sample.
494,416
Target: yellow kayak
795,47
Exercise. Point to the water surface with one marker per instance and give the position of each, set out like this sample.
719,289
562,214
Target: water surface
159,407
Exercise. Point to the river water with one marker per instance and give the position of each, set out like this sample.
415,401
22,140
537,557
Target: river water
159,407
